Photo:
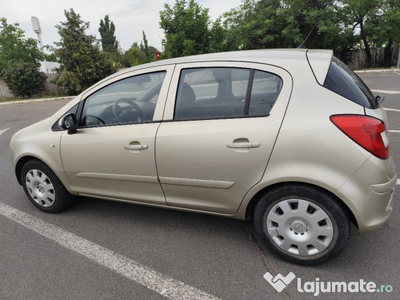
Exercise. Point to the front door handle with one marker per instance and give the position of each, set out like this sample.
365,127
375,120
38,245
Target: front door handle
243,145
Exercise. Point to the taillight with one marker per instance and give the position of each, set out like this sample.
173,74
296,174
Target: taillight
368,132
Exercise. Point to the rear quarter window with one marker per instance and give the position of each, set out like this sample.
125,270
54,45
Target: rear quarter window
343,81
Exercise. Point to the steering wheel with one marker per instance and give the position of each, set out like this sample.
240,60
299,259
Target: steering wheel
131,114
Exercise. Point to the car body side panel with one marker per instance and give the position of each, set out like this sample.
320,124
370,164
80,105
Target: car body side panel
379,113
40,142
310,148
371,204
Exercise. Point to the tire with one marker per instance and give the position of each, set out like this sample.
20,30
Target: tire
43,188
302,224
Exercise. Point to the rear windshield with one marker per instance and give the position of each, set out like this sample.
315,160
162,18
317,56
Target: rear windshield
345,82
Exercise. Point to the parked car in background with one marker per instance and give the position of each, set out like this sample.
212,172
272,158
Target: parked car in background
292,139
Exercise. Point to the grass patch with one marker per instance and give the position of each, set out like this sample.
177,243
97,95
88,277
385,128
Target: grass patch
12,99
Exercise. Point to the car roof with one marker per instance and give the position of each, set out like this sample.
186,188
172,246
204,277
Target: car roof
279,57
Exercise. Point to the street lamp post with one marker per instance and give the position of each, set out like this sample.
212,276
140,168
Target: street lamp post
37,29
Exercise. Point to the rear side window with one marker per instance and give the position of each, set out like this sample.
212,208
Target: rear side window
345,82
209,93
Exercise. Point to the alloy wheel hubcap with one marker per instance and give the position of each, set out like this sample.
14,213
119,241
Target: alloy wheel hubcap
300,227
40,188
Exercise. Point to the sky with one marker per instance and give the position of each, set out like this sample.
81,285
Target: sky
130,17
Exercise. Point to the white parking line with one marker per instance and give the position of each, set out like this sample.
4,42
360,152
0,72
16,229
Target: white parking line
391,109
4,130
398,182
151,279
386,92
396,110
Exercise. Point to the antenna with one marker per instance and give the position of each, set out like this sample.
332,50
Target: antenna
305,40
37,29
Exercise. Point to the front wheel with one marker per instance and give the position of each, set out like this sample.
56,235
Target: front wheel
302,224
43,188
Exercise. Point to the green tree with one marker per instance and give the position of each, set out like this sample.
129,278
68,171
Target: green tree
386,27
134,56
152,54
109,42
51,54
186,29
149,51
14,47
82,62
24,79
285,24
218,33
255,25
139,54
144,46
359,13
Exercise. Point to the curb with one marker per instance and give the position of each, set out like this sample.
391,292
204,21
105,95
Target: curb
376,71
37,100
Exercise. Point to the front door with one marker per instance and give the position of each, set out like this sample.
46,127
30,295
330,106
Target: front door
112,154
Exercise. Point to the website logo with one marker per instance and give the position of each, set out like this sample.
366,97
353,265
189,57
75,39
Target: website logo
318,287
279,282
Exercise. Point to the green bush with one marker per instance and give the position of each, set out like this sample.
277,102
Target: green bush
24,79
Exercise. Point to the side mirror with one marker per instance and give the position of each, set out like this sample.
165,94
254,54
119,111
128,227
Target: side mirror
69,122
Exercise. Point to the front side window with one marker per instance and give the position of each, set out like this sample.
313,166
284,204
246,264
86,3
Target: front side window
208,93
130,100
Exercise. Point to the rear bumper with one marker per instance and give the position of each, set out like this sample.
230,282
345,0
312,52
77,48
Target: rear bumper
369,193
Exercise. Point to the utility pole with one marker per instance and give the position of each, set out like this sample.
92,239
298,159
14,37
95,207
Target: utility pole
398,59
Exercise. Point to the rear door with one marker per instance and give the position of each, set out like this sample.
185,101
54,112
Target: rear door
220,126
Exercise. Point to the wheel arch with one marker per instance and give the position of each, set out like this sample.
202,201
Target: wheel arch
257,197
20,164
23,160
44,189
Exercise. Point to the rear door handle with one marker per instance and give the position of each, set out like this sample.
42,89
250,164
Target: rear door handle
135,147
243,145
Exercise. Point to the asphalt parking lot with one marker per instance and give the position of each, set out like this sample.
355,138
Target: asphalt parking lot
106,250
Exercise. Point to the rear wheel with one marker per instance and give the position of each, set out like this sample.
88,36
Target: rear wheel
302,224
43,188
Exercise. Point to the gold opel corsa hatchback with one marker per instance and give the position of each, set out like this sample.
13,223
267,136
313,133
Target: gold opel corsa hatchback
292,139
